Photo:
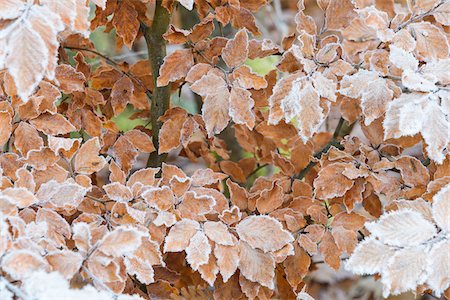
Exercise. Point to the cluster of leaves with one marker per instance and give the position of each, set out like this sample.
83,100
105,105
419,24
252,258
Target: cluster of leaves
81,218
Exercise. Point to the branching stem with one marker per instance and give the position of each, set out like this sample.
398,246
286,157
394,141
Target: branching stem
156,47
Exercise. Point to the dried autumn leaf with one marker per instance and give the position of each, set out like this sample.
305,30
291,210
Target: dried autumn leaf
180,234
20,263
227,260
176,66
65,262
330,251
263,232
256,265
52,124
331,183
26,138
69,79
218,233
126,22
6,125
61,194
296,266
87,159
198,251
120,241
236,50
241,105
215,109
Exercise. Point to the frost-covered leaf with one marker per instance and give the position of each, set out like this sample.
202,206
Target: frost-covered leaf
374,100
402,228
369,257
441,208
180,234
176,66
331,183
438,266
65,262
263,232
256,265
431,41
218,233
295,98
20,263
241,105
435,131
227,260
189,4
62,194
402,59
236,50
215,109
402,118
198,251
87,160
404,271
120,241
30,49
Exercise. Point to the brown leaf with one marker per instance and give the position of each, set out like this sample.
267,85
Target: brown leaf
126,22
176,66
170,132
121,94
69,79
330,251
87,160
263,232
236,50
270,199
241,107
6,126
296,266
52,124
215,110
26,138
413,172
180,234
256,265
227,260
331,183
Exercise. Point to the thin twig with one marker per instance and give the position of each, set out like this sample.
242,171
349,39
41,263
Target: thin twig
116,66
15,290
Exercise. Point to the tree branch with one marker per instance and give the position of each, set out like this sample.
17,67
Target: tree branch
156,47
342,129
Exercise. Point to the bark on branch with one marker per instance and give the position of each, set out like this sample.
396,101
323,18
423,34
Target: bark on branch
156,47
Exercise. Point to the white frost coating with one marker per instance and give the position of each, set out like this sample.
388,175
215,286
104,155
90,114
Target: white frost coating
416,81
438,267
291,104
435,131
441,208
404,271
402,59
45,286
369,257
402,228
